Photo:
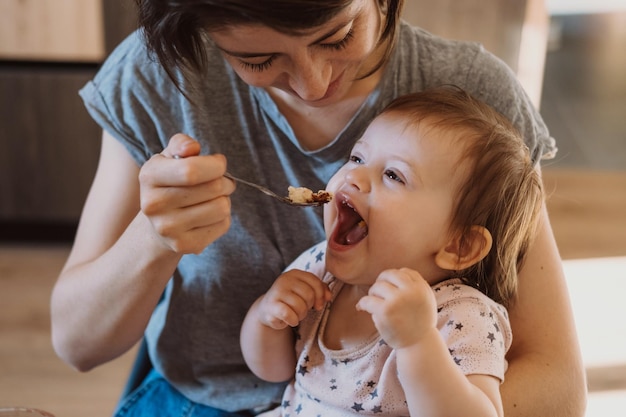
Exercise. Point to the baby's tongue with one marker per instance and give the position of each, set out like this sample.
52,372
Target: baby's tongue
357,233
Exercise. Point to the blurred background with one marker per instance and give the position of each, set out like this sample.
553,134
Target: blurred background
569,55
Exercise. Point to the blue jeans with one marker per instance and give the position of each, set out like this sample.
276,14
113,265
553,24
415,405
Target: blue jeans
156,397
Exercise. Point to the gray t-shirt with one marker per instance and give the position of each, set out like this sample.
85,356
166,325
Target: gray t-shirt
193,336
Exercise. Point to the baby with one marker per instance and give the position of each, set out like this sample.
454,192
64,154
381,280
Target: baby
401,310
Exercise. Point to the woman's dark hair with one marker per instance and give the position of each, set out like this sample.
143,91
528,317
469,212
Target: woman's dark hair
175,30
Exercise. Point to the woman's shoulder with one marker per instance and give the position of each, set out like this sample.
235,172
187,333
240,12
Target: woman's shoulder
132,66
423,60
431,46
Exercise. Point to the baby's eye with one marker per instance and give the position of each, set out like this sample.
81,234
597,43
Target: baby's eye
356,159
393,176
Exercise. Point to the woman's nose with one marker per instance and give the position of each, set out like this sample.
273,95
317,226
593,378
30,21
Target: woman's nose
310,78
359,178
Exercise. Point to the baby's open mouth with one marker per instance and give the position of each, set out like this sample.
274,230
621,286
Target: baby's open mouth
351,228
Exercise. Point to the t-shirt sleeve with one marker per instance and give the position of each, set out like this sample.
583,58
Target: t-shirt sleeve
475,328
130,97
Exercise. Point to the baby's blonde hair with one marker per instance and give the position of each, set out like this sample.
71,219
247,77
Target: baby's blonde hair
502,190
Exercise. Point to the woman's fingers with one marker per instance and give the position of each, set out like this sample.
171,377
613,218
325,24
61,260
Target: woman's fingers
181,146
186,199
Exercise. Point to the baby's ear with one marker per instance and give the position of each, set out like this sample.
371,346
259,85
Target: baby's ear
455,256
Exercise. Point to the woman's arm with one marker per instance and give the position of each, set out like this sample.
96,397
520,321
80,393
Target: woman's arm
122,258
546,375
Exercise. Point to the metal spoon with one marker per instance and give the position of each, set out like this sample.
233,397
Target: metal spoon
271,193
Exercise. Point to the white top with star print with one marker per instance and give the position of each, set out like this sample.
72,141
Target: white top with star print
363,380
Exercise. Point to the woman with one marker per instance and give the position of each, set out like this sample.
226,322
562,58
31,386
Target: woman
279,91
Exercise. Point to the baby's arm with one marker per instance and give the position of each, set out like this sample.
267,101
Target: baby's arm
267,337
404,310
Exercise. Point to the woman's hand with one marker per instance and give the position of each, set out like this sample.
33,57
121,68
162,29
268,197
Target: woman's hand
290,298
402,305
186,199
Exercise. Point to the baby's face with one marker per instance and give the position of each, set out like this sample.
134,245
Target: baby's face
393,201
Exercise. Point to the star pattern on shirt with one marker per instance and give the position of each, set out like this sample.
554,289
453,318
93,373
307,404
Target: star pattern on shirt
369,398
358,407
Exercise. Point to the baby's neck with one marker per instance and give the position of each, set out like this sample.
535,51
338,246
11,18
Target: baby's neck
347,327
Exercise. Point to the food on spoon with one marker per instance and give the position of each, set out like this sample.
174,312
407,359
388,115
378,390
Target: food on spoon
304,195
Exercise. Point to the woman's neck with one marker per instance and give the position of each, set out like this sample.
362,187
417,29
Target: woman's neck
316,127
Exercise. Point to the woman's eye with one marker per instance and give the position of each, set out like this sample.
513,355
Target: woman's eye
340,44
393,176
262,66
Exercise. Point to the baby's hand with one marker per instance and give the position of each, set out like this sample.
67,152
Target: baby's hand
402,305
291,297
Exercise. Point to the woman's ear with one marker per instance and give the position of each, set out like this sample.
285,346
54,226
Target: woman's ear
464,251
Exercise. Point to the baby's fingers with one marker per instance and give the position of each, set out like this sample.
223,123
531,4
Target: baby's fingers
314,292
280,315
369,304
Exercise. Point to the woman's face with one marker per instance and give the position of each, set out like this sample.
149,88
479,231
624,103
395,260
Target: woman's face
317,68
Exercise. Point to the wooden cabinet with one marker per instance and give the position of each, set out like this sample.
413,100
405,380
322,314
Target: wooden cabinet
49,143
52,30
